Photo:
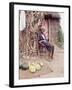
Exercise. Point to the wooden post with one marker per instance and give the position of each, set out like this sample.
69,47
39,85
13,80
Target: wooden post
48,29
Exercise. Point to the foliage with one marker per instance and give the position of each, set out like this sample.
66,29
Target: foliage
60,38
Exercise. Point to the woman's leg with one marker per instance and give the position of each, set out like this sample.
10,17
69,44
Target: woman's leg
52,47
49,47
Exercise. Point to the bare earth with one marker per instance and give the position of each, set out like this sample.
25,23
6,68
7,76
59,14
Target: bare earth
50,69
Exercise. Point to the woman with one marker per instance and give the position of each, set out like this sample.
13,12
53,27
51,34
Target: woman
45,42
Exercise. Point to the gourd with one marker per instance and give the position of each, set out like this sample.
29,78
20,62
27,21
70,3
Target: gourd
24,66
32,68
20,65
38,67
35,66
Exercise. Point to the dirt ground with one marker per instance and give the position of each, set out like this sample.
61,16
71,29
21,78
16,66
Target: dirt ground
51,68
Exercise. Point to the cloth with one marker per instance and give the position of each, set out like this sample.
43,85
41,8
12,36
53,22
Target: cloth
22,20
44,42
43,36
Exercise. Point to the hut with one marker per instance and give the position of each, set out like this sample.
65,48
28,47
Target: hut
50,21
53,21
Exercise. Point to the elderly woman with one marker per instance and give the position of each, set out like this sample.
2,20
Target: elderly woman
43,41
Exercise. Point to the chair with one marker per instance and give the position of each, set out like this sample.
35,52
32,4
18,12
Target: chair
41,48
